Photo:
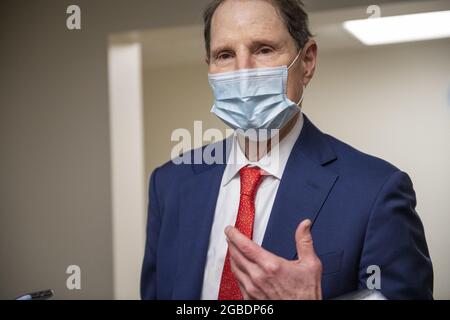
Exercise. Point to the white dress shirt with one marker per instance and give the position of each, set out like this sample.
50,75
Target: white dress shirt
228,203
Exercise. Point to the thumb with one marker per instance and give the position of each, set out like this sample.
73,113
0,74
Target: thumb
304,241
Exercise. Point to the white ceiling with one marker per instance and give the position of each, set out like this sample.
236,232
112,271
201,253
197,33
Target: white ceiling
184,45
322,5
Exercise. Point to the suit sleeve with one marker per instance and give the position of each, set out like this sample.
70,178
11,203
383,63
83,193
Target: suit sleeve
148,274
395,242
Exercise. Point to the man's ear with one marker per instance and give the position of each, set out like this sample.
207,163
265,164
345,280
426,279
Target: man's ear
207,60
309,60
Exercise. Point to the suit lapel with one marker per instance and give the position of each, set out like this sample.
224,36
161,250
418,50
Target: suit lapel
303,189
198,197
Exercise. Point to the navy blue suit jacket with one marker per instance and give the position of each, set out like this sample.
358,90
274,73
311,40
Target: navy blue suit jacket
362,208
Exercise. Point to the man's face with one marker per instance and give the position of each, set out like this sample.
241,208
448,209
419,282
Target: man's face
247,34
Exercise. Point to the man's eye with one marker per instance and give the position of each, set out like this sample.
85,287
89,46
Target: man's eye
223,56
265,50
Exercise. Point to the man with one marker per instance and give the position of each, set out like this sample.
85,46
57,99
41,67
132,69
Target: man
245,230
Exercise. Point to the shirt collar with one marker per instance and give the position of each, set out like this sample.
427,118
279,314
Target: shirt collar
270,163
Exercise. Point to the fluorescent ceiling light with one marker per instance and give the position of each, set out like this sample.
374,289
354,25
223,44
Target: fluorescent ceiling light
404,28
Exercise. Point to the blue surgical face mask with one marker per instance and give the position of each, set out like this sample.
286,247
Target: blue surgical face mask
253,98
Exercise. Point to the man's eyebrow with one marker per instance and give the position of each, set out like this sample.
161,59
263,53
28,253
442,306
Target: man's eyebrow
266,42
254,45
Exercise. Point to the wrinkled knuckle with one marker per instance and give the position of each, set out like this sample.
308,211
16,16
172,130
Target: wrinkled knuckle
245,248
272,267
258,278
307,240
252,291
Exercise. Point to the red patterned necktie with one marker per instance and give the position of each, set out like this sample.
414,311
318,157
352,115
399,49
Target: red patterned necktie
250,180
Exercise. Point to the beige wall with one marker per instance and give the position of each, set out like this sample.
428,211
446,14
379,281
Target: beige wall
55,184
390,101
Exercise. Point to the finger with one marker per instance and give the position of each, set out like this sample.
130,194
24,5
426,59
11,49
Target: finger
304,241
247,247
248,288
242,263
254,272
241,278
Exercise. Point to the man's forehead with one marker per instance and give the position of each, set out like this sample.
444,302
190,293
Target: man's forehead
253,17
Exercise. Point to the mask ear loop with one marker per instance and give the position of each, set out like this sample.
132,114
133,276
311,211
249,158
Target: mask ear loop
301,99
295,60
304,87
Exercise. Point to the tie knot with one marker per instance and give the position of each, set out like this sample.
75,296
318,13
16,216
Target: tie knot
250,179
